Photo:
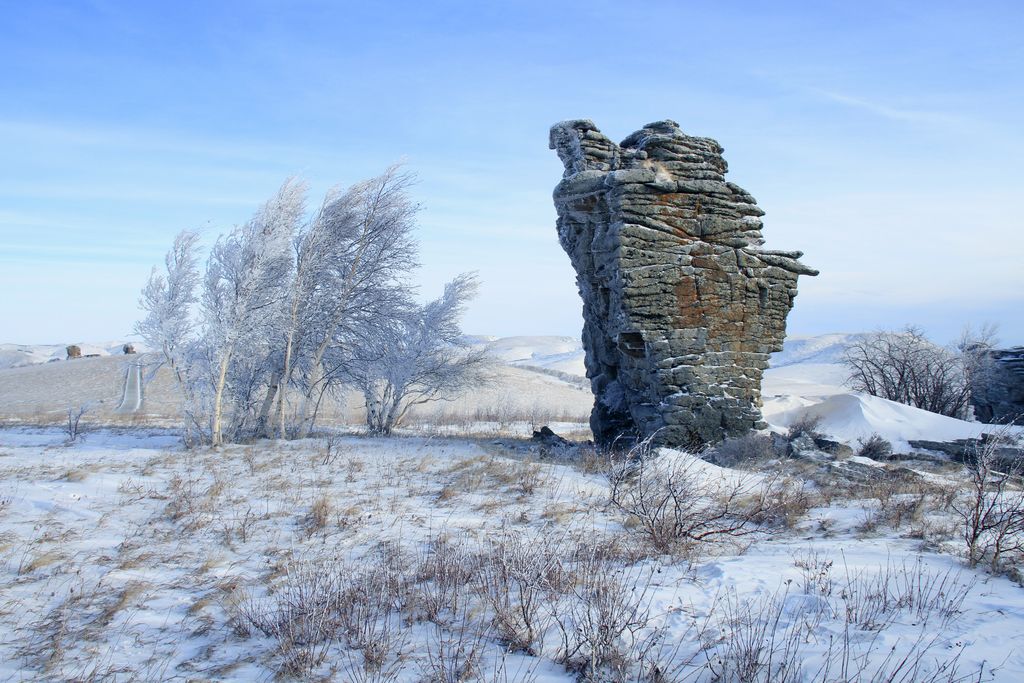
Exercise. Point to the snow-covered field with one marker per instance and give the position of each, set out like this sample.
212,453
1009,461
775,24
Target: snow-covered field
352,558
41,393
437,556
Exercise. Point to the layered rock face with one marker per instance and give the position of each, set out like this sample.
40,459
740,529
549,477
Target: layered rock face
681,305
998,393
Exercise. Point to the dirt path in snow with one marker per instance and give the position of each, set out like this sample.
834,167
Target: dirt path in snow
131,401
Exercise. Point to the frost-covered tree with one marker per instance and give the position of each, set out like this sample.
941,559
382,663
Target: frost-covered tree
420,357
351,262
167,299
169,326
290,303
246,278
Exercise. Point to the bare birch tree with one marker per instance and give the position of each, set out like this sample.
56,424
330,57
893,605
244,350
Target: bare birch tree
975,348
167,300
421,357
169,325
244,284
287,304
351,265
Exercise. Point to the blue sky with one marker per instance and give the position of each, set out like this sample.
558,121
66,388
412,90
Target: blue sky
883,139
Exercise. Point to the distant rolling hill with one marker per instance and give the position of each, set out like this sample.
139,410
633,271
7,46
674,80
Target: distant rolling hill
20,355
560,354
805,378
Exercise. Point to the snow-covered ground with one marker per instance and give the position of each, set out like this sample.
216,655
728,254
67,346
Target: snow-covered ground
359,559
127,558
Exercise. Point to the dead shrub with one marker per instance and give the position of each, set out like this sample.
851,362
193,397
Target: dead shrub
675,507
518,579
604,621
528,477
592,460
453,654
991,513
238,525
330,449
873,599
442,574
875,447
756,644
322,601
816,573
73,427
805,425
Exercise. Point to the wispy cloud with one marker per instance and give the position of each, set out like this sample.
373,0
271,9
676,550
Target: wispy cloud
123,192
148,140
918,116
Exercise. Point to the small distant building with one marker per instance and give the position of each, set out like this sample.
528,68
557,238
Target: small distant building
128,349
74,352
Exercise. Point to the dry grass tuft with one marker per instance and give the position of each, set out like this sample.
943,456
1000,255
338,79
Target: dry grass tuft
319,515
75,475
32,564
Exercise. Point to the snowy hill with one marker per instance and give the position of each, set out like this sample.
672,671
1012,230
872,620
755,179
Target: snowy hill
562,354
810,360
807,378
19,355
822,349
850,416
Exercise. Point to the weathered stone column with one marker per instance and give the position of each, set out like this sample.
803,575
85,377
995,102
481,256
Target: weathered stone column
681,305
997,387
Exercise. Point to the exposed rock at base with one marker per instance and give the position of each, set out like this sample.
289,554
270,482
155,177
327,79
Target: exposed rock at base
546,437
74,352
997,393
681,305
1006,454
837,464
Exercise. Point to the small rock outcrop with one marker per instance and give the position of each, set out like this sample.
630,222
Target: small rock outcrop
682,306
997,391
74,351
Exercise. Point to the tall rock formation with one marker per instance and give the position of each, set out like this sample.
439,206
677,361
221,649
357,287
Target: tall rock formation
997,389
681,305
